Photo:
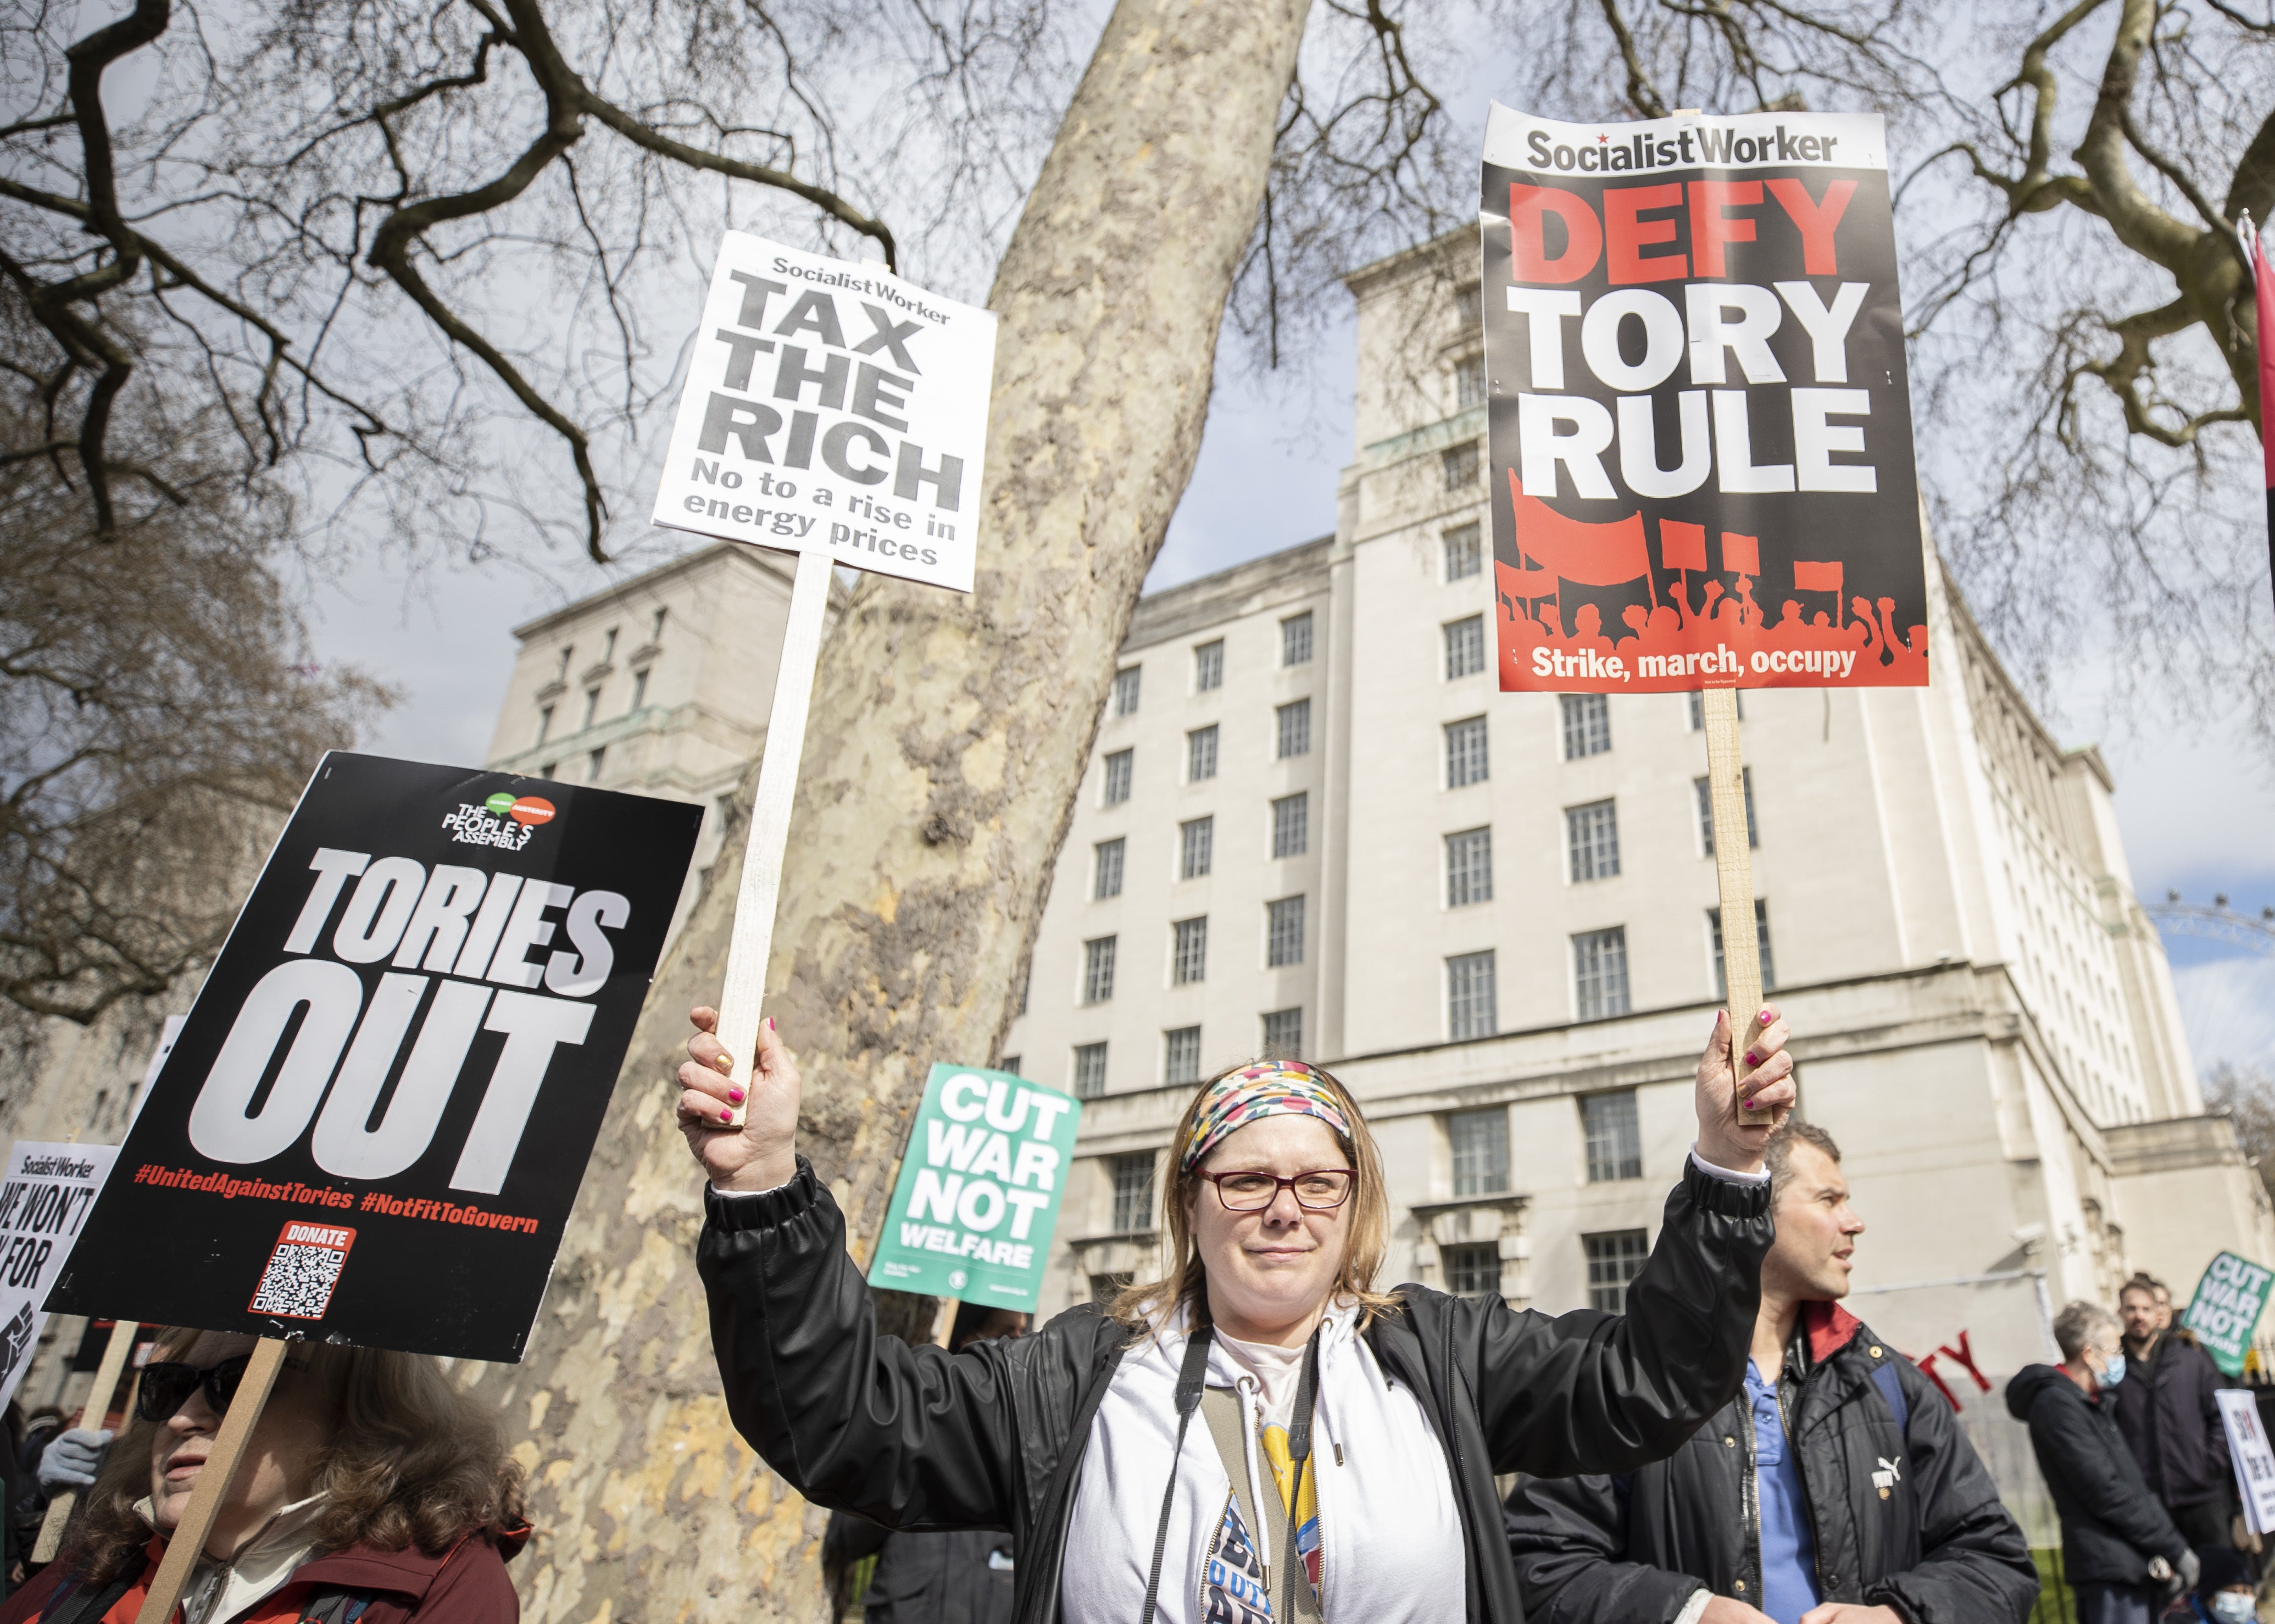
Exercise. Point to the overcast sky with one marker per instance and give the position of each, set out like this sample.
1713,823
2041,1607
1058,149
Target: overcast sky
2196,804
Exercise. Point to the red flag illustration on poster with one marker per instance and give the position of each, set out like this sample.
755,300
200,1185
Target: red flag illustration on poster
1700,428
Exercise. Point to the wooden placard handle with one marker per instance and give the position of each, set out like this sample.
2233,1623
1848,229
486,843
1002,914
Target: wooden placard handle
751,943
115,1355
196,1527
1733,869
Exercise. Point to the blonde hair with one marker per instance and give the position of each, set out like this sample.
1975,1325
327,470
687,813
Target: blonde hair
410,1461
1149,1304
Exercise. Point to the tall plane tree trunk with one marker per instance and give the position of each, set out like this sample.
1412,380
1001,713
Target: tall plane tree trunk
948,736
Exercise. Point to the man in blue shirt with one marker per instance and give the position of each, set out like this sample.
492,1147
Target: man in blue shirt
1836,1488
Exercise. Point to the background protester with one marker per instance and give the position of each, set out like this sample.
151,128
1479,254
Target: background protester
2121,1553
2169,1411
2223,1593
1836,1489
370,1488
1345,1465
962,1577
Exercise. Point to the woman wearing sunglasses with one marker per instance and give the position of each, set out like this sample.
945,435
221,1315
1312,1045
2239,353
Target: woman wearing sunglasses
1343,1464
370,1490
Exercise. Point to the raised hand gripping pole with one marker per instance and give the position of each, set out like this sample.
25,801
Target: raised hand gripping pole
1733,868
115,1353
753,942
196,1527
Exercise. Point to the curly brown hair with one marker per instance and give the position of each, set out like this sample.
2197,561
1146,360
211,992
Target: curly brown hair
412,1460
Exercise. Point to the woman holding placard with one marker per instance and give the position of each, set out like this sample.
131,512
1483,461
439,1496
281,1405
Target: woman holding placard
369,1490
1346,1464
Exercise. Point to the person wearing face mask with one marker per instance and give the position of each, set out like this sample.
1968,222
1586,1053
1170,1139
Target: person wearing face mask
370,1490
2223,1593
2120,1551
1264,1434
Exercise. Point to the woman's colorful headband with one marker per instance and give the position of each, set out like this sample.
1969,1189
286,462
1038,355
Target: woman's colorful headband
1269,1088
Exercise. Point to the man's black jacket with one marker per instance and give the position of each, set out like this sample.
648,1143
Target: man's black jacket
960,1578
993,1437
2168,1410
1911,1521
2110,1524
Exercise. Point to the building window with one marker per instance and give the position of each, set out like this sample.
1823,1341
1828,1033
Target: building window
550,769
1133,1192
1465,753
1600,972
609,648
1098,970
1591,834
1587,725
1761,946
1284,931
1296,639
1208,666
591,707
1699,709
1470,382
1088,1070
1189,962
1291,824
1614,1260
1470,1011
1459,464
544,723
639,688
1107,877
1125,690
1469,304
1465,552
1472,1268
1480,1144
1105,1287
593,763
1295,729
1703,793
1026,980
656,626
1614,1138
1181,1056
1283,1034
1195,842
1468,867
1200,754
1465,646
1117,777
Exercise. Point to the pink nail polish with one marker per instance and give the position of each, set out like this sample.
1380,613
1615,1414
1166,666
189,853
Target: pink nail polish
1753,1059
1766,1017
770,1023
735,1094
726,1116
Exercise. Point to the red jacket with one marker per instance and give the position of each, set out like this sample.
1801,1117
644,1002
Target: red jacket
467,1584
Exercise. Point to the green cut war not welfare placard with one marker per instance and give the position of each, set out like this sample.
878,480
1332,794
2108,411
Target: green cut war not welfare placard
979,1193
2226,1308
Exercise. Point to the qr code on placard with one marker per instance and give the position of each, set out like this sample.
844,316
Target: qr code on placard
302,1270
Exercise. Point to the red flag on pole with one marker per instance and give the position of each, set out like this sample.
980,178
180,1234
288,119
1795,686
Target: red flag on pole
2264,285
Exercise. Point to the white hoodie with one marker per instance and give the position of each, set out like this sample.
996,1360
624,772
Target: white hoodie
1389,1534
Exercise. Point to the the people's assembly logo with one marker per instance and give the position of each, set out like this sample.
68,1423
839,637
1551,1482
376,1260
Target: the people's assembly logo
504,819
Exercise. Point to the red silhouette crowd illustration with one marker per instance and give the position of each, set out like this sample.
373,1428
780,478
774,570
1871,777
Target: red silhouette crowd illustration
1815,641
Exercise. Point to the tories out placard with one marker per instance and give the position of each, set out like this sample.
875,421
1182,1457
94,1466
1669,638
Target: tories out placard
1699,426
830,405
44,1199
980,1188
373,1124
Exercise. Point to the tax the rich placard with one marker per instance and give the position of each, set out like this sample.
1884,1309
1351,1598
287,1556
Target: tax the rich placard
374,1121
980,1188
1699,426
831,406
44,1200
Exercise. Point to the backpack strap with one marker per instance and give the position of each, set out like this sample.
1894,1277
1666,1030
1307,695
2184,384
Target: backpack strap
73,1603
1884,1377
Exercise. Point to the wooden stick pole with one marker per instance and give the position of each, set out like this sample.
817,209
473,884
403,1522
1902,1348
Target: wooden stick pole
115,1353
189,1538
753,942
1733,868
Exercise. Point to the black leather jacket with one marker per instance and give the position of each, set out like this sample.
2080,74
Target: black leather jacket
993,1437
1911,1522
